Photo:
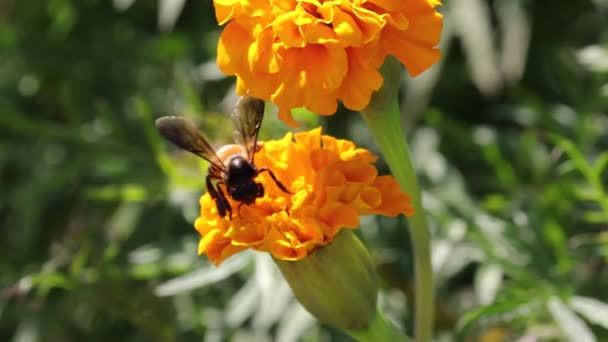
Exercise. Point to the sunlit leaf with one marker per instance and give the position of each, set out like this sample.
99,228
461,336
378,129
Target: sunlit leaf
295,323
601,163
204,276
243,304
498,311
594,310
596,216
572,326
487,283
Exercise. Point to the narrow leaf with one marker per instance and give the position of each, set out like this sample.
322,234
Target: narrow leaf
601,163
571,325
593,310
498,311
487,282
596,216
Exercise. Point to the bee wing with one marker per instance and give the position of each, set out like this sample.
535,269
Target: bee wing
247,118
186,136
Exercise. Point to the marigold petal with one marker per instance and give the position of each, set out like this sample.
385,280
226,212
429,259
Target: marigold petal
332,177
288,31
276,153
346,29
230,48
261,56
283,249
415,47
394,202
315,22
337,215
425,24
399,21
300,199
358,153
309,140
369,22
208,241
361,81
313,76
358,171
225,10
320,158
415,57
339,145
369,198
332,194
217,248
239,53
349,192
309,231
284,115
250,233
209,219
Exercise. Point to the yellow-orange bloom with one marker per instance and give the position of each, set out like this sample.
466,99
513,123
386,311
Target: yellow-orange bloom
332,183
311,53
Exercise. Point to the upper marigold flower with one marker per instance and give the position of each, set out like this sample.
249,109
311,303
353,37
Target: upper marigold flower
311,53
331,183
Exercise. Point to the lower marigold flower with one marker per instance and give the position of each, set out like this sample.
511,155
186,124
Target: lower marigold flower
331,183
311,53
337,284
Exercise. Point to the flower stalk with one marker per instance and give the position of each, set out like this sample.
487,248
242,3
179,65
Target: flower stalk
383,118
379,329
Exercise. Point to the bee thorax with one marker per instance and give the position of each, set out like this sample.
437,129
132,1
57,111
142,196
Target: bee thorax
227,152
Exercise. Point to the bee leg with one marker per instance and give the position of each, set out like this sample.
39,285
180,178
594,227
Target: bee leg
213,192
210,187
225,205
274,178
260,192
220,199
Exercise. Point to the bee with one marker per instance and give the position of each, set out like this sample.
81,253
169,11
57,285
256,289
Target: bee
232,165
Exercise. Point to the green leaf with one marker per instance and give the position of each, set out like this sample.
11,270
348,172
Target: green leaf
488,280
601,163
126,193
575,155
498,311
571,325
586,192
554,234
594,216
380,329
593,310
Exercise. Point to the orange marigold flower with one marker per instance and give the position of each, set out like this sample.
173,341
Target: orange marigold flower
311,53
332,183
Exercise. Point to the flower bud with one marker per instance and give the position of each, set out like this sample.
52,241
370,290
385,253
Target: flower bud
336,283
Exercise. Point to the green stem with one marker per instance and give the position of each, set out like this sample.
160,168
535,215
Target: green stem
380,329
383,118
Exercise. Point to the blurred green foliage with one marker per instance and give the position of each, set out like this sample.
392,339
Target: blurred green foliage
509,133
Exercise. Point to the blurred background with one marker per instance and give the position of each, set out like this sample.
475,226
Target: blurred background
509,134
